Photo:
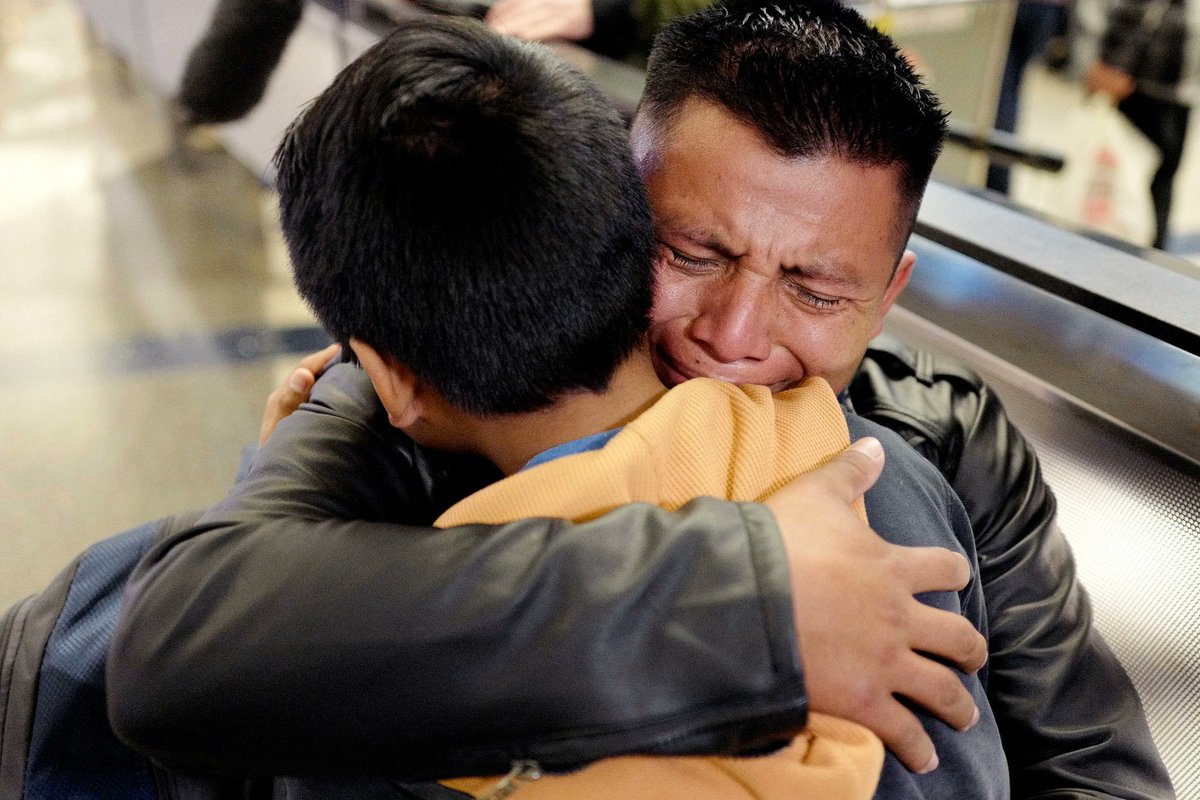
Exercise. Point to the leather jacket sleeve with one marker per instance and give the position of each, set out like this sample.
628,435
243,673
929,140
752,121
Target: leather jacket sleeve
1070,719
614,31
228,69
383,649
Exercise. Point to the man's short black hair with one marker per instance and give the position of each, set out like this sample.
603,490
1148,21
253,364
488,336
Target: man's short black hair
468,205
811,76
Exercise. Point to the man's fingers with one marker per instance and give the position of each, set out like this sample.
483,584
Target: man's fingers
941,633
938,689
902,733
932,569
865,640
843,479
855,469
950,637
861,462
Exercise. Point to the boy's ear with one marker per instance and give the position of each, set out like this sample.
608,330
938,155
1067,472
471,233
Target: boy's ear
398,386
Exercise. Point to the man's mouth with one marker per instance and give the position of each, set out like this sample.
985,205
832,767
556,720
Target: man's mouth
668,371
671,373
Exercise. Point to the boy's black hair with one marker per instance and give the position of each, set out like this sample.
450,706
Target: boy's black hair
468,205
811,76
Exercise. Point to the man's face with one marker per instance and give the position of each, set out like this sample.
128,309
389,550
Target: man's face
769,269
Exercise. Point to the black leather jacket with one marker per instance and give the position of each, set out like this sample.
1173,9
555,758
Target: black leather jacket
216,667
1070,719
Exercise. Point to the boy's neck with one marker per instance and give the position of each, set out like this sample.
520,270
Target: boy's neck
512,440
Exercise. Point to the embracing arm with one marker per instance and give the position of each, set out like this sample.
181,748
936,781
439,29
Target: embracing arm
282,636
326,648
1070,718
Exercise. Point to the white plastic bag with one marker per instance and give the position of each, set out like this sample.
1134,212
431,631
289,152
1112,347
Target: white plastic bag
1105,185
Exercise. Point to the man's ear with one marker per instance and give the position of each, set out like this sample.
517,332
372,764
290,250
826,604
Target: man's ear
895,287
398,386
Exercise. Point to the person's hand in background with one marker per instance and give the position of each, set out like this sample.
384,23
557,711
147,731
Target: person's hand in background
1106,79
543,20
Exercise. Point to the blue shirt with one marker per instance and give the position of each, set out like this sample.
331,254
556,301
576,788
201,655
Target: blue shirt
593,442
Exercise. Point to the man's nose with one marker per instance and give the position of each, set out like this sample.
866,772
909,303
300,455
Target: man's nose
735,320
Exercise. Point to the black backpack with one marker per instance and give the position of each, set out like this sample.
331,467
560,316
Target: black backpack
55,740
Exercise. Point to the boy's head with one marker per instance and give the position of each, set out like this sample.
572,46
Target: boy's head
466,205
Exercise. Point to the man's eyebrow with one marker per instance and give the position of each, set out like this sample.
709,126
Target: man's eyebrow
823,272
709,241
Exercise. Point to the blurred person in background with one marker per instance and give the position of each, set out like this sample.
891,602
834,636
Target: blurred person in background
228,69
1035,26
231,64
1143,54
618,28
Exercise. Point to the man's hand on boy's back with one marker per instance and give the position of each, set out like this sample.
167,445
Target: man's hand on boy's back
864,638
863,635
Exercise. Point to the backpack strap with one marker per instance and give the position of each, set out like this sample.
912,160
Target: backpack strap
72,749
55,740
24,631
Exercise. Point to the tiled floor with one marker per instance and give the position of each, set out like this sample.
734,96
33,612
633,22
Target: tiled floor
140,293
145,305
